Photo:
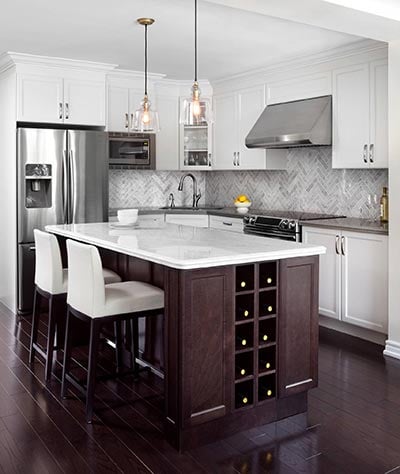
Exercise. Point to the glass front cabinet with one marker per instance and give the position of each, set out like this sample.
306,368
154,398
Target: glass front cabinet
195,146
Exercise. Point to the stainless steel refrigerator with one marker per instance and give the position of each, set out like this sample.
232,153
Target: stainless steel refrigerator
62,179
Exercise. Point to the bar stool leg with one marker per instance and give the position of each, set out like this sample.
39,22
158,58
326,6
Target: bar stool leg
118,345
134,330
35,324
50,338
67,354
95,327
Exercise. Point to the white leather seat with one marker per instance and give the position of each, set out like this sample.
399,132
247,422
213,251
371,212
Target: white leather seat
88,293
50,276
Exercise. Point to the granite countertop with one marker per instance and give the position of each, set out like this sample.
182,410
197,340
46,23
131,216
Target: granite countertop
184,247
351,223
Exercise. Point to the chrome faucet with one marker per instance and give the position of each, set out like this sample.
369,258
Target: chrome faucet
196,196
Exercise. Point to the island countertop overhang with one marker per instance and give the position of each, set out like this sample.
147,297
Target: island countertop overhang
185,247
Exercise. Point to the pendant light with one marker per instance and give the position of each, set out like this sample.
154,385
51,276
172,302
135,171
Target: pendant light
195,110
146,118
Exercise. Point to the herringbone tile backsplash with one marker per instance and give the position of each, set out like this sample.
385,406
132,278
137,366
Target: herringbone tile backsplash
308,184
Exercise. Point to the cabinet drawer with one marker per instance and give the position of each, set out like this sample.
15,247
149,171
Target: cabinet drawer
187,219
231,224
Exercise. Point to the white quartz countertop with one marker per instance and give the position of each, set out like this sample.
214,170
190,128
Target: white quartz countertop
184,247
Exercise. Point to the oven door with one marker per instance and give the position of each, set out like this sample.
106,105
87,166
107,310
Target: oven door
272,233
129,151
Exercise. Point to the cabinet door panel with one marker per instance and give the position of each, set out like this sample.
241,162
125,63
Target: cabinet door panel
167,156
329,269
84,102
364,280
298,325
350,117
250,105
225,132
40,98
117,110
379,115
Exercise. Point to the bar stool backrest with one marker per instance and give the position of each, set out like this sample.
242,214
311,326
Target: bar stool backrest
48,264
86,292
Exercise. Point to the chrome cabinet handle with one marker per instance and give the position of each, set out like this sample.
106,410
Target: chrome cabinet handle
238,158
131,120
66,110
371,153
342,246
209,159
227,223
337,245
60,110
65,193
234,158
365,153
126,121
32,249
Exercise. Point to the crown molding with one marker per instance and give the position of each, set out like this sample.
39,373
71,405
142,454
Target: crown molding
129,74
353,49
55,62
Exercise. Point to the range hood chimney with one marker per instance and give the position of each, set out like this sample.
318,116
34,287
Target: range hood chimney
306,122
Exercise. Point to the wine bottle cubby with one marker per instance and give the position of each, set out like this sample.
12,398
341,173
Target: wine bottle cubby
267,303
244,365
244,336
266,387
266,331
244,394
256,317
266,360
244,307
245,278
267,275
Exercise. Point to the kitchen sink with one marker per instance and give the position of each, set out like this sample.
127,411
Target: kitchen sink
190,208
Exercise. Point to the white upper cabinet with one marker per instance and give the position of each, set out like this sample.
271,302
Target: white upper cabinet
235,114
167,141
54,97
118,119
360,96
40,98
84,102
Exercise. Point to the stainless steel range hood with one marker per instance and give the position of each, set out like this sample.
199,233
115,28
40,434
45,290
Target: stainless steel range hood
299,123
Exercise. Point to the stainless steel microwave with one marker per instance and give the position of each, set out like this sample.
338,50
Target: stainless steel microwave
135,150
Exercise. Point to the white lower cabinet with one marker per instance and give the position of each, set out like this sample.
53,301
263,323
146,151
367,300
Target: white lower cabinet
353,276
197,220
231,224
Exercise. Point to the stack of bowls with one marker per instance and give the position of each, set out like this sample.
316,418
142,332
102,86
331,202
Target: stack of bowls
127,216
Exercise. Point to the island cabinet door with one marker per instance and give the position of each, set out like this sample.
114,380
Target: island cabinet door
199,345
298,325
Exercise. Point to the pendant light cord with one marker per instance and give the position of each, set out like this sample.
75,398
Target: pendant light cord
145,59
195,40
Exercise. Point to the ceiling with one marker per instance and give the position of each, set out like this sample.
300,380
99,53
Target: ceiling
230,40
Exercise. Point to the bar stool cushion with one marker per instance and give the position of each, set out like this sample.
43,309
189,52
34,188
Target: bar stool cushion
88,294
50,276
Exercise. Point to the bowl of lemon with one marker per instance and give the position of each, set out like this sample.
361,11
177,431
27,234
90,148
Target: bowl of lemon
242,203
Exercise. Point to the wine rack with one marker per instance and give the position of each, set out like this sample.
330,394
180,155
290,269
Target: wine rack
256,312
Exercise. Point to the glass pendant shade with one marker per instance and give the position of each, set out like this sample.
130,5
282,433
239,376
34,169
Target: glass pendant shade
146,119
196,110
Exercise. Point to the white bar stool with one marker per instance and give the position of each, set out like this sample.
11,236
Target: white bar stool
90,299
51,281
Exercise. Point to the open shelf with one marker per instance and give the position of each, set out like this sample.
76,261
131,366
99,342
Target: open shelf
244,337
266,331
267,303
244,394
244,365
266,387
244,307
266,360
267,275
244,278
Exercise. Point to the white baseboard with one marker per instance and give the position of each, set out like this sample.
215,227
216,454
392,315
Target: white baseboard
352,330
392,349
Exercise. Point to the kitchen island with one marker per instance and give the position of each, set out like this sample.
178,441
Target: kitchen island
240,321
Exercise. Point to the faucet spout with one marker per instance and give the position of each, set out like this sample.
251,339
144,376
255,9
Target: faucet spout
196,196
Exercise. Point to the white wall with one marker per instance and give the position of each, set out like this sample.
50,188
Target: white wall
8,181
393,342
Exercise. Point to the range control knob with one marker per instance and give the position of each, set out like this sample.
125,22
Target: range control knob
284,224
292,225
252,220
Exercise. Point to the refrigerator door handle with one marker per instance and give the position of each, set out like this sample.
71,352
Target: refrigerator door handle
64,184
73,196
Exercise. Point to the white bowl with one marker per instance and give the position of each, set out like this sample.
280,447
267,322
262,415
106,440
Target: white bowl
242,204
127,216
242,210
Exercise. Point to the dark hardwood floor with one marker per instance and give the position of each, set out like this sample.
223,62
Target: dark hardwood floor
352,425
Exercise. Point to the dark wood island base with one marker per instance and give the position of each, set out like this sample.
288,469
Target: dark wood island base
240,343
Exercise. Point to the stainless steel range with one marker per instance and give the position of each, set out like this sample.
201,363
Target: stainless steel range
285,225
